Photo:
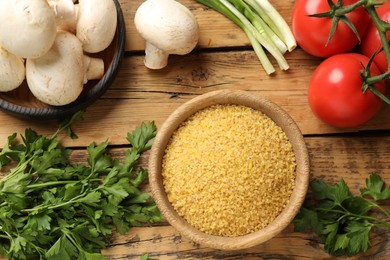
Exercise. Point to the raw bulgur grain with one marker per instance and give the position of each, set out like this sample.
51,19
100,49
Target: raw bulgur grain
229,170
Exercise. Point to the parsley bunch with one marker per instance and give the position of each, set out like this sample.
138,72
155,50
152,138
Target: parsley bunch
53,209
344,221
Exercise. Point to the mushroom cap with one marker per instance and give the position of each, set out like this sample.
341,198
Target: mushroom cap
12,71
57,77
96,25
167,25
66,14
28,27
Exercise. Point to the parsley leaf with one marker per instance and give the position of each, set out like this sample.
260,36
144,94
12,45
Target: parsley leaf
62,249
344,221
375,188
66,123
146,257
336,193
142,137
307,221
54,209
358,231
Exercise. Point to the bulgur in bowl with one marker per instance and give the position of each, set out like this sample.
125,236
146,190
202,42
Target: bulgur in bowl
229,169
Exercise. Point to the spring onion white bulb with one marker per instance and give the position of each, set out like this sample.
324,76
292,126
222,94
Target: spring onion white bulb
264,26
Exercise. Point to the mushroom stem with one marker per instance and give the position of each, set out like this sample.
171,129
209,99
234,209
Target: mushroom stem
155,58
94,68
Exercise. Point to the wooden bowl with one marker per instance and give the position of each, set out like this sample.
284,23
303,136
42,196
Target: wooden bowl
281,118
21,102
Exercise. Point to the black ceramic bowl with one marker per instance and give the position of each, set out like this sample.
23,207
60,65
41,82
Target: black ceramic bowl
20,102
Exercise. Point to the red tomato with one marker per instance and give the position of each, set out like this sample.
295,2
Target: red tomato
371,41
312,33
335,91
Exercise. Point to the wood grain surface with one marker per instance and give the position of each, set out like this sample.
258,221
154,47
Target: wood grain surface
223,59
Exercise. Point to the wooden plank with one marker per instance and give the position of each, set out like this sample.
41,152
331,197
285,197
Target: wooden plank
139,94
165,242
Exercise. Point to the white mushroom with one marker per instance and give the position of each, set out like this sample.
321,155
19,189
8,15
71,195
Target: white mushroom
27,27
57,78
12,71
93,68
66,14
96,24
168,28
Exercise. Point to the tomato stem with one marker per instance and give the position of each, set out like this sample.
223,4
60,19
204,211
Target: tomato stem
379,94
382,29
343,10
339,11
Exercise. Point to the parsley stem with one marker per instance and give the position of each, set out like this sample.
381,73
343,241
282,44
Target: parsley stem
32,187
67,122
382,225
41,207
47,184
73,241
21,167
6,237
381,209
73,200
350,214
40,250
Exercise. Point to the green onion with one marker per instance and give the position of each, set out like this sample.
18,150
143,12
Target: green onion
276,22
264,26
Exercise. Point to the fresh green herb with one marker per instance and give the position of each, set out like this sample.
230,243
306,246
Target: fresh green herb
263,25
53,209
146,257
344,221
66,123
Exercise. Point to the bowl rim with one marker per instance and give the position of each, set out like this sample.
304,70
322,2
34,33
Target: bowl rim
237,97
59,112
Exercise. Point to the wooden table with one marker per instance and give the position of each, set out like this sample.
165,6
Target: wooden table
223,60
